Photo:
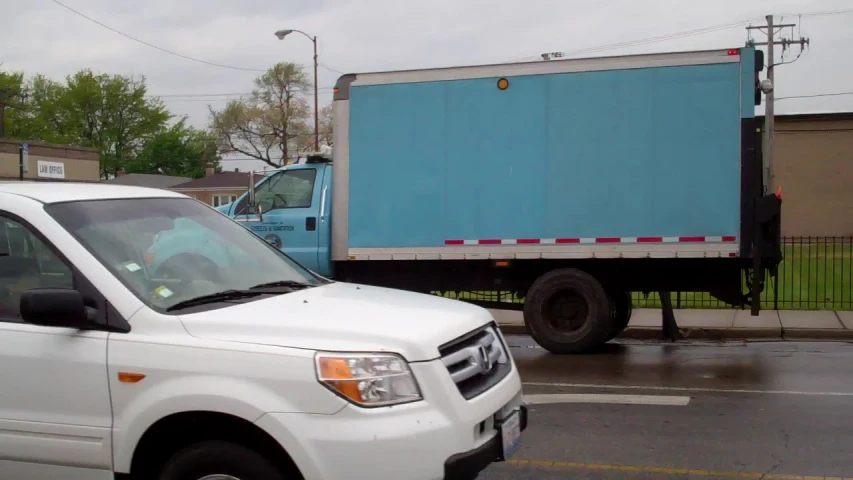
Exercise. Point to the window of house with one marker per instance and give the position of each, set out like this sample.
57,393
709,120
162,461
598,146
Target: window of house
26,263
219,200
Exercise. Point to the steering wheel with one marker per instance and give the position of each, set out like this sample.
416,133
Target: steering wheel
176,265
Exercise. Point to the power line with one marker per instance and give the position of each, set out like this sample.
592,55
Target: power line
835,94
170,52
676,35
143,42
820,14
330,68
662,38
655,39
192,95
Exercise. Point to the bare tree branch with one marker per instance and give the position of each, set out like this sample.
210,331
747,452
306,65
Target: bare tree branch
274,115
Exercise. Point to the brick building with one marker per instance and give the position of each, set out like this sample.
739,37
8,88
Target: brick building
215,189
813,163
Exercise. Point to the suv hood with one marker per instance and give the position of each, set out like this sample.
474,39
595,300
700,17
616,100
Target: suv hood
344,317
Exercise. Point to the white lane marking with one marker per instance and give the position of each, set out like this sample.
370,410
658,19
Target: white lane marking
552,398
687,389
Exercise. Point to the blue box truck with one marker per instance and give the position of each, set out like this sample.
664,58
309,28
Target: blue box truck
569,183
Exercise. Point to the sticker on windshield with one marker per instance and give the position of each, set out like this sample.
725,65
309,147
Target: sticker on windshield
163,292
131,267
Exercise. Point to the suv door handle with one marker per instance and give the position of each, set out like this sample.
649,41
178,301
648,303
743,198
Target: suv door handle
311,224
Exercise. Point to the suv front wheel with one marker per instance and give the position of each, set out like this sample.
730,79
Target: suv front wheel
218,460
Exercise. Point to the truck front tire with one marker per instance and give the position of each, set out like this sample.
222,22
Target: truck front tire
211,458
567,311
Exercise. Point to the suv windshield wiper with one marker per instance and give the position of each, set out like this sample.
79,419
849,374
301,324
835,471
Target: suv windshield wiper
293,284
213,298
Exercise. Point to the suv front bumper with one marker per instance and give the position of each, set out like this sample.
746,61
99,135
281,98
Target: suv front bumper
467,465
442,436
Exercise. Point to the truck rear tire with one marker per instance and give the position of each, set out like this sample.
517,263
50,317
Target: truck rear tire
567,311
621,308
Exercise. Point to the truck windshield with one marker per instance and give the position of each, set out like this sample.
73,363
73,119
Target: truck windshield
170,250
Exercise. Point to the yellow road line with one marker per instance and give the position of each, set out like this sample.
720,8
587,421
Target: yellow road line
667,470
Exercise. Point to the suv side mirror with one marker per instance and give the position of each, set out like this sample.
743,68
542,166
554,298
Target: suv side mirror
56,307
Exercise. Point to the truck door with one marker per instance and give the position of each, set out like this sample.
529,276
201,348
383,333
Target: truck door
289,201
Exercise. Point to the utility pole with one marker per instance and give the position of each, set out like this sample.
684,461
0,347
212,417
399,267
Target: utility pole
316,101
767,147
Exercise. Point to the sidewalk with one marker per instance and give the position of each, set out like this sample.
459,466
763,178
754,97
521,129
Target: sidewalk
723,324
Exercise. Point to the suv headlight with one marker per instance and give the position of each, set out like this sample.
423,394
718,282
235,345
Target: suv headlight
368,380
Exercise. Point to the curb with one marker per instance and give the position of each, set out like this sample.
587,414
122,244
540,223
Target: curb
711,333
818,333
699,333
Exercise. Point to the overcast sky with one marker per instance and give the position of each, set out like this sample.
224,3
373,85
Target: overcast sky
375,35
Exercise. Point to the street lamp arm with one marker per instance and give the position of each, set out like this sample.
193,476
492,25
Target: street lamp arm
313,39
283,33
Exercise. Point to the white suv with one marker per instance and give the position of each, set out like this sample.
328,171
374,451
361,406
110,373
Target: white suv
256,371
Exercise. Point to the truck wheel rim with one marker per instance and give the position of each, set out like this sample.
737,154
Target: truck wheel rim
567,311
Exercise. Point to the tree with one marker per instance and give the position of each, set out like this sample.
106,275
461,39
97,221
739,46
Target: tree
112,114
269,124
179,150
326,126
11,92
44,119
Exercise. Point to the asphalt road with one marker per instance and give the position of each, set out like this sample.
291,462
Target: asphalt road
780,410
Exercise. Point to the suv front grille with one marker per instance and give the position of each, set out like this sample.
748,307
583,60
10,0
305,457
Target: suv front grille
476,361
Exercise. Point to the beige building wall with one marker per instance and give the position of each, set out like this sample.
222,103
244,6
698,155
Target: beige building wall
813,163
51,163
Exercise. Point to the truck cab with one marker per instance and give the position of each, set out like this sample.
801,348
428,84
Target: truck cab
291,209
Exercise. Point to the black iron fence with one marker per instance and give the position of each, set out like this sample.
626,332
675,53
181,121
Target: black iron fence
815,274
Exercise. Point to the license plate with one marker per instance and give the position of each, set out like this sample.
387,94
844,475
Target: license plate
511,434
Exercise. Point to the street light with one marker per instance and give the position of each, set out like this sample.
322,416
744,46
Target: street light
283,33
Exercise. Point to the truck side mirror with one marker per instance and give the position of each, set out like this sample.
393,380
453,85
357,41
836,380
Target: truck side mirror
253,201
251,188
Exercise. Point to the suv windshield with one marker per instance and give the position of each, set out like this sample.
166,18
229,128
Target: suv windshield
171,250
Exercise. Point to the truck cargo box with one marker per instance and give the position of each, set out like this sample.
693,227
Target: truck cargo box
637,156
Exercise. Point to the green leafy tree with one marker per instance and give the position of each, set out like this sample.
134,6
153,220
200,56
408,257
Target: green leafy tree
43,118
11,107
112,114
270,123
179,150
